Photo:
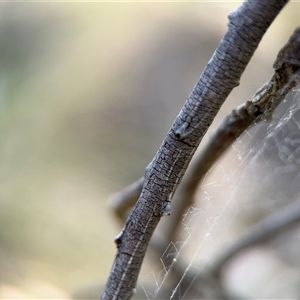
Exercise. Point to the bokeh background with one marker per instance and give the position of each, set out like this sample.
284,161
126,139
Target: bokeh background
88,90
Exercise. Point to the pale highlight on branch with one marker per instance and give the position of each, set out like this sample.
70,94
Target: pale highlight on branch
246,27
261,107
264,102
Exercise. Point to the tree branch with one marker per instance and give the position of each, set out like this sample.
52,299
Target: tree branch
232,127
263,231
246,28
261,107
207,283
263,104
122,201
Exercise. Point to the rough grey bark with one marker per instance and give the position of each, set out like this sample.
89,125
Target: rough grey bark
286,76
246,27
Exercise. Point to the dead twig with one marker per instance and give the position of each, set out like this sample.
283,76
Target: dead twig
271,226
261,107
245,30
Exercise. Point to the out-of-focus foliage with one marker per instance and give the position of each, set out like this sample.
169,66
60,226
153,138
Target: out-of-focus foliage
87,93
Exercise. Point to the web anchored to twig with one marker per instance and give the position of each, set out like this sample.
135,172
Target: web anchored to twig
204,283
262,106
246,28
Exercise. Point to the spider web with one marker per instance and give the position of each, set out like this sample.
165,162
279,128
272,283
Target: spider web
258,176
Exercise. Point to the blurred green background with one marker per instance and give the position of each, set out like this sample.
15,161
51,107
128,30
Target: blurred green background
87,93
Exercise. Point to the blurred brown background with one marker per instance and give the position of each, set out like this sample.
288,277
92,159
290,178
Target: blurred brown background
87,93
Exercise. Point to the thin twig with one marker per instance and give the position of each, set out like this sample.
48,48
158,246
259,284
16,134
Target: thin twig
268,228
246,27
263,104
208,281
124,200
261,107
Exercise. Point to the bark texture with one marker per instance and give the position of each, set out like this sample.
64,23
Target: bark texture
245,30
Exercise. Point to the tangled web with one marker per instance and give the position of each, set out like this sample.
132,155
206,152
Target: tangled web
259,176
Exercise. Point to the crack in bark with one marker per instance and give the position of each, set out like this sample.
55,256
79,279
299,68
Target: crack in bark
124,273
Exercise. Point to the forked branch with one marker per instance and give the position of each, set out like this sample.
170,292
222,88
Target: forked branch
246,27
284,79
286,76
261,107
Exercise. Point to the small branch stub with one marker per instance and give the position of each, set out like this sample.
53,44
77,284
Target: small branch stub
246,28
